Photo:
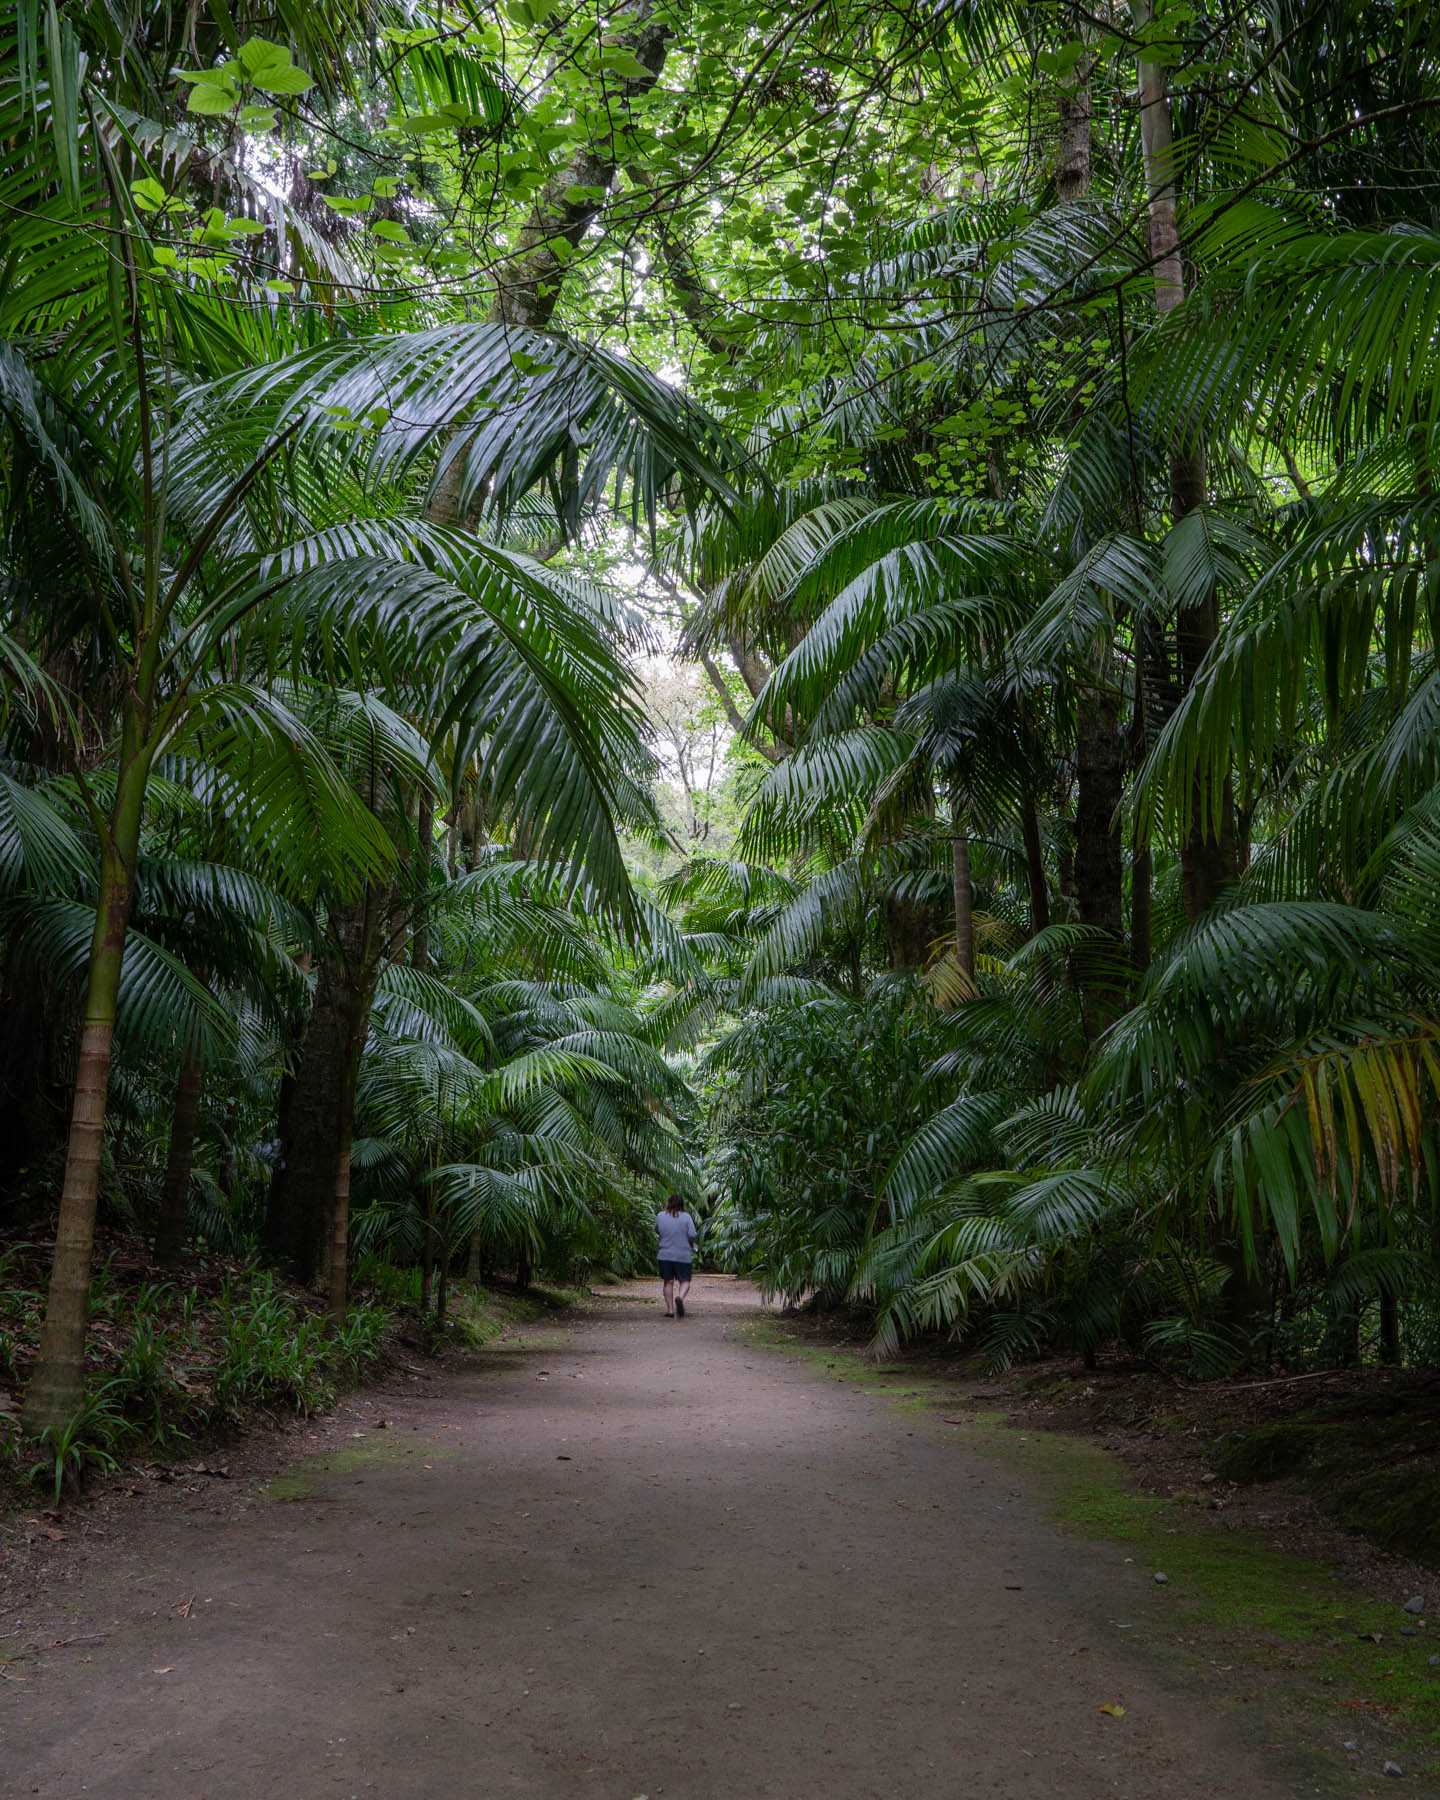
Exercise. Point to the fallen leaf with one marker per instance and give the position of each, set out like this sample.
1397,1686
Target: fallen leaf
465,1593
169,1670
1115,1712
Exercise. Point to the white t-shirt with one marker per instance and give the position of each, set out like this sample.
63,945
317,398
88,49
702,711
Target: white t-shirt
677,1236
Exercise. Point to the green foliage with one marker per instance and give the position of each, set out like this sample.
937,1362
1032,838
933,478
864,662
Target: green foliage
807,1107
82,1444
268,1353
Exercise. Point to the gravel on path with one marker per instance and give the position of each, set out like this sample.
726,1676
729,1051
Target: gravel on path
650,1560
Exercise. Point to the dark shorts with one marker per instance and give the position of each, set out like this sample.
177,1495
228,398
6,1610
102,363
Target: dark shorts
673,1271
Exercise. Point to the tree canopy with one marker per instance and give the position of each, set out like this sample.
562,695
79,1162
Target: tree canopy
827,608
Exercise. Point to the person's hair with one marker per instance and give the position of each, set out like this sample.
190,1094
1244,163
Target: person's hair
675,1204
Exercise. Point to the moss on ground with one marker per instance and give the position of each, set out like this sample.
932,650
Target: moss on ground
1332,1653
379,1451
481,1317
1372,1468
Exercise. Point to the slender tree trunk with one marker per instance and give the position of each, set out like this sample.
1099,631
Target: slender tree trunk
424,851
962,883
170,1226
1207,856
1099,766
1141,866
225,1177
427,1260
1034,864
58,1384
1141,891
442,1293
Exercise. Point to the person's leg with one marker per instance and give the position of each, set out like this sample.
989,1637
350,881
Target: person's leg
682,1290
668,1289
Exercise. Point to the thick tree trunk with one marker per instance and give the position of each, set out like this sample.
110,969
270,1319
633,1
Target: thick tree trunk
910,929
340,1227
530,282
58,1384
301,1220
1072,155
1389,1329
173,1218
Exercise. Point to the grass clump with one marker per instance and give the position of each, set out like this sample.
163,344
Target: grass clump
172,1364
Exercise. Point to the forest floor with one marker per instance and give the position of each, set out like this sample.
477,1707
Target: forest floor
620,1556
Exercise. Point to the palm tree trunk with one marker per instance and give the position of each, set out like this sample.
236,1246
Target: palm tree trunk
1389,1329
340,1235
1141,886
1099,769
961,881
1207,856
1141,866
424,850
1034,864
175,1194
58,1384
305,1193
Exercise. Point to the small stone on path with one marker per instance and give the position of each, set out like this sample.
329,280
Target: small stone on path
1415,1604
1392,1769
1162,1580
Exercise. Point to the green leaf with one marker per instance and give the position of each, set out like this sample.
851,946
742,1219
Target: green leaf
288,80
626,63
211,101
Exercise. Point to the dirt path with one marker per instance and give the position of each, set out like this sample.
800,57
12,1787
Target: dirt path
649,1561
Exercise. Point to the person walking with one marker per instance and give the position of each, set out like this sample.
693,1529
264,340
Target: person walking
676,1231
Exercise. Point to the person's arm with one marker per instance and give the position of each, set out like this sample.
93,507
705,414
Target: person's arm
693,1238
